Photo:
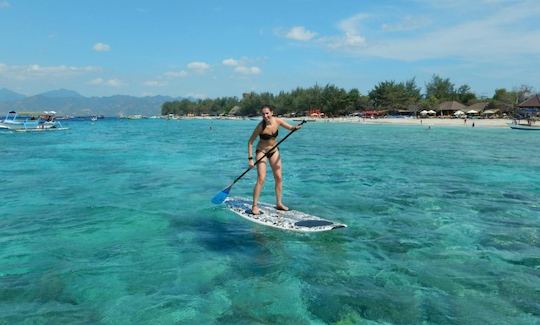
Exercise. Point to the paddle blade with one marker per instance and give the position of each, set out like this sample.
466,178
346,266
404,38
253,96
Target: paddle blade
221,196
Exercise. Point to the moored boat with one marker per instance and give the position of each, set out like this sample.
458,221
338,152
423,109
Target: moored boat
43,122
524,126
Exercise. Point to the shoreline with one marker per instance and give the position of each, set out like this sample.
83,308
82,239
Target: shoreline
457,122
450,122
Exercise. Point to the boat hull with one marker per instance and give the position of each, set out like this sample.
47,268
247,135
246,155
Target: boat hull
26,125
525,127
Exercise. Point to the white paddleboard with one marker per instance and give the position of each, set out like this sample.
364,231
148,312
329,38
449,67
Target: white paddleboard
287,220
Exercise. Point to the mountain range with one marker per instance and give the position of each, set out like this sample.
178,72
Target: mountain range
69,102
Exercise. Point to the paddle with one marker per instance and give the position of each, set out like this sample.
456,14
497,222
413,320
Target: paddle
221,196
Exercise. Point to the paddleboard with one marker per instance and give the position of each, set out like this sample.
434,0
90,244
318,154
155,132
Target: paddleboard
288,220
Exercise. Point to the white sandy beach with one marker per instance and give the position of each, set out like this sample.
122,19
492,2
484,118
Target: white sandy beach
434,121
482,123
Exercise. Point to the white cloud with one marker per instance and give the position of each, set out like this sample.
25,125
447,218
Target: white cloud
36,71
198,66
351,37
407,24
115,83
101,47
175,74
505,32
299,33
196,95
247,70
230,62
494,37
97,81
155,83
4,4
242,66
59,69
467,4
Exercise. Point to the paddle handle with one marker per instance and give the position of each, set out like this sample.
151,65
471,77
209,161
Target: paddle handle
274,147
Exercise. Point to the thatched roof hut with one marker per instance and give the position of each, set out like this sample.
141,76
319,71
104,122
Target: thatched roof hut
450,107
501,106
479,107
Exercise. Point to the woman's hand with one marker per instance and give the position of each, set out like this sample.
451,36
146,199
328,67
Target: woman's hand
251,163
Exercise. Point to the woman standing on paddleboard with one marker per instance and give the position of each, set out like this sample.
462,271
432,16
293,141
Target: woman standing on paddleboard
267,131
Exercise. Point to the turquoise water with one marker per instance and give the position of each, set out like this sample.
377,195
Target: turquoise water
112,223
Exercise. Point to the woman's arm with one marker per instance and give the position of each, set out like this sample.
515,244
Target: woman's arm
286,125
252,138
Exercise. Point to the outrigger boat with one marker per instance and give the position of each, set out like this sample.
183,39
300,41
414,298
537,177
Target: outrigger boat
43,122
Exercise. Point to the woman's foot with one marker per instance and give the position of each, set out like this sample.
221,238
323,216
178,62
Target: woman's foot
282,207
255,210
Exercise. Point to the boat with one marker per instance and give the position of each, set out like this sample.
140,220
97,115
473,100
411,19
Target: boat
522,126
530,125
43,122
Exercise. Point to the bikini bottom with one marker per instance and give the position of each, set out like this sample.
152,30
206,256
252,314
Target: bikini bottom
270,154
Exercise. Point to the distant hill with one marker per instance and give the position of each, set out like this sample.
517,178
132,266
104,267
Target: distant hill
8,95
61,93
68,102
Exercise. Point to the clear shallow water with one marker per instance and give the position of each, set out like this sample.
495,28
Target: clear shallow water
112,223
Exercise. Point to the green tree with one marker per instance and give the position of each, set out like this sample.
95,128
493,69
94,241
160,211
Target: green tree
503,96
384,94
392,95
465,95
505,100
353,100
334,100
251,104
440,88
412,92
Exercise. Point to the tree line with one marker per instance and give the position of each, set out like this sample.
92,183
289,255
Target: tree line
388,96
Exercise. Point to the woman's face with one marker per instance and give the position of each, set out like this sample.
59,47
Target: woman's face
266,113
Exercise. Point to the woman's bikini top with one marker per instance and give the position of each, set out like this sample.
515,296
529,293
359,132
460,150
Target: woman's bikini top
265,136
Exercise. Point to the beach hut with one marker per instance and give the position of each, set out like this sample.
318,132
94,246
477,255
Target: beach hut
423,113
409,111
478,107
490,113
531,106
448,108
531,102
373,113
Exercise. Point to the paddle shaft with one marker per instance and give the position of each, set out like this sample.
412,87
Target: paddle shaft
259,160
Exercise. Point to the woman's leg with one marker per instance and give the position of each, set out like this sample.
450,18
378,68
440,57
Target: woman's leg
261,175
275,163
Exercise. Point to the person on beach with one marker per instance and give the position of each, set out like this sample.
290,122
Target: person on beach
267,131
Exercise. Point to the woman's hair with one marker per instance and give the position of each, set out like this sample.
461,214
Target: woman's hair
271,108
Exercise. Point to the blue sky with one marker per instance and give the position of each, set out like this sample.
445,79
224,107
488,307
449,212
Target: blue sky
224,48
